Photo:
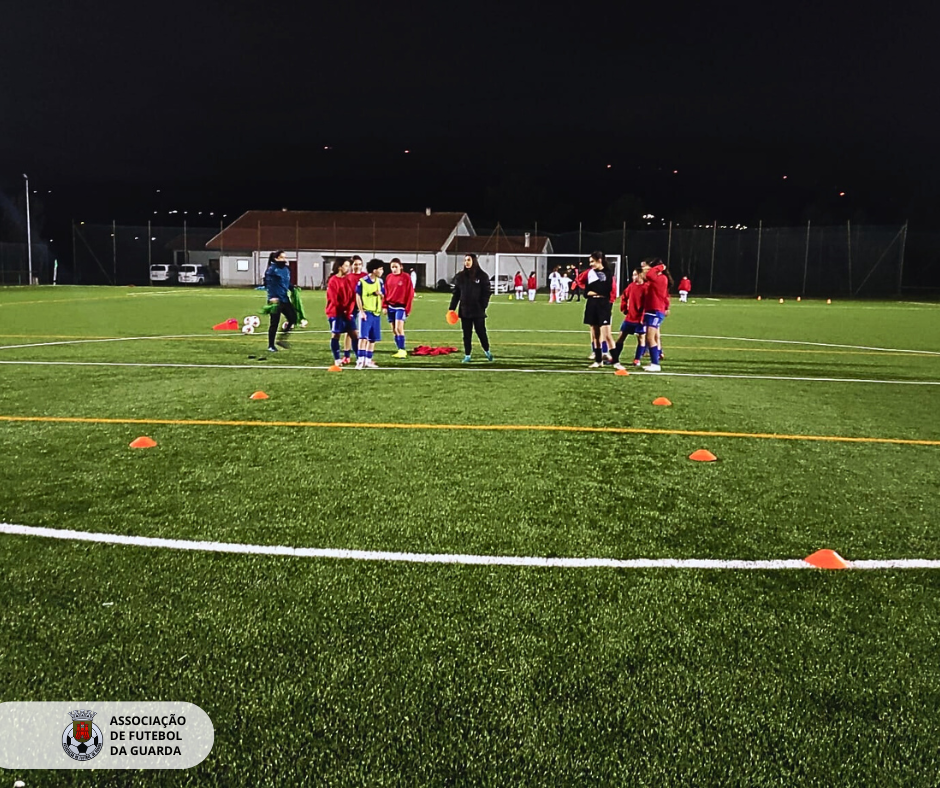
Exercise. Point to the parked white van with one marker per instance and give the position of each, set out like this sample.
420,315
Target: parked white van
161,274
191,274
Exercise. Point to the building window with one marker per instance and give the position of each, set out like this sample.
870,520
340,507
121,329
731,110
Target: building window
241,264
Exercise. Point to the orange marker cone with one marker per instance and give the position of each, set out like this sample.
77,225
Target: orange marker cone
334,368
827,559
259,395
143,442
621,372
229,325
702,455
662,401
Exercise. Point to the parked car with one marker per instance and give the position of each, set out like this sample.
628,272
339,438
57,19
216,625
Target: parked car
162,274
191,274
502,286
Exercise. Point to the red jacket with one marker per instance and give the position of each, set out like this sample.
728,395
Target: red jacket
399,291
632,302
685,284
532,283
517,282
340,296
657,290
613,290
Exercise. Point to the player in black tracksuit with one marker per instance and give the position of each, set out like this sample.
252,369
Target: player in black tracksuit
472,292
597,310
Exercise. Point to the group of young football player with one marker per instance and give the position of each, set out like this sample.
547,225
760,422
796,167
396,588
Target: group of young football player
357,295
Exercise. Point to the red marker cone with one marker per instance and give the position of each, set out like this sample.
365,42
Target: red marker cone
827,559
143,442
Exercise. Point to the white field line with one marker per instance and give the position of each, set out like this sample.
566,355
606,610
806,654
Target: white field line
461,369
446,558
236,335
480,368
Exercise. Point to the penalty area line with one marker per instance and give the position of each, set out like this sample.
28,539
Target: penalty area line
446,558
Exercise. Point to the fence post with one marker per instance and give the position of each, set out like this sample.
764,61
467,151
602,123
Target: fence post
149,249
806,256
760,234
580,225
711,269
258,257
669,246
848,235
114,247
75,277
185,243
901,262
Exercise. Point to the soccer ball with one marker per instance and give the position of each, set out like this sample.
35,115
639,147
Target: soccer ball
247,321
255,320
83,750
303,323
248,329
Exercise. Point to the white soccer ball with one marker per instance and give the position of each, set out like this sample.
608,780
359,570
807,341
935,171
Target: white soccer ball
248,329
255,321
303,323
285,325
247,321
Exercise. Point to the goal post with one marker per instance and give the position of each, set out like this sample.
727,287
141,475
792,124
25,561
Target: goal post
509,263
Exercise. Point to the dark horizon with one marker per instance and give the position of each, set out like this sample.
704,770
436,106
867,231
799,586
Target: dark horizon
511,114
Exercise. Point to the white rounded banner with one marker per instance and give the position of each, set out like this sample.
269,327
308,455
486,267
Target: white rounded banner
106,735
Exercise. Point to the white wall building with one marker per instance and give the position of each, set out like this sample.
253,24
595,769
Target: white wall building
311,240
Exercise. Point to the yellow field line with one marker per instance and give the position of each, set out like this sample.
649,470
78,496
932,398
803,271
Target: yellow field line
472,427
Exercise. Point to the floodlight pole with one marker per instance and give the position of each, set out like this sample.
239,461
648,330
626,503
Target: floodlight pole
29,232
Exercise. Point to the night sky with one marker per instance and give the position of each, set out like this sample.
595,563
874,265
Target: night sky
510,111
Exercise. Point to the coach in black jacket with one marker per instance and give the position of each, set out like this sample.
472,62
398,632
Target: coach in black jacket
472,291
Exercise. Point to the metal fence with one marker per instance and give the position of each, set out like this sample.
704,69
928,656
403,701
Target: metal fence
847,260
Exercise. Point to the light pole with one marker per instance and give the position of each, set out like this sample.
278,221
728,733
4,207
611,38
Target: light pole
29,232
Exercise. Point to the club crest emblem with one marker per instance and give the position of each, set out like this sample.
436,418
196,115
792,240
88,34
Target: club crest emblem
82,740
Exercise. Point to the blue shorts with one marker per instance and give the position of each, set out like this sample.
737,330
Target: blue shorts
396,313
653,319
370,327
632,328
341,325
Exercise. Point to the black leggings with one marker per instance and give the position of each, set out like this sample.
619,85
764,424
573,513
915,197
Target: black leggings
285,308
471,324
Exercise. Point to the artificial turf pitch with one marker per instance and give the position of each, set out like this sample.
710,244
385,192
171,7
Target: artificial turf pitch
319,671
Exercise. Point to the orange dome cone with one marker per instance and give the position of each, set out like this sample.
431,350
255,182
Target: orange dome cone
143,442
827,559
334,368
259,395
662,401
621,372
702,455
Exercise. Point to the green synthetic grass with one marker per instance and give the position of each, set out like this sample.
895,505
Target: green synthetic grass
329,672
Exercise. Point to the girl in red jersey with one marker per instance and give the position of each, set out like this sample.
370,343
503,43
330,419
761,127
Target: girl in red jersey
357,271
655,307
340,298
517,285
533,285
632,305
399,296
685,287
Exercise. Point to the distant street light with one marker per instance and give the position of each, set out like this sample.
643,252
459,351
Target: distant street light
29,232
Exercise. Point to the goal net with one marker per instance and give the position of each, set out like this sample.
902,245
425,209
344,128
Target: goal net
527,263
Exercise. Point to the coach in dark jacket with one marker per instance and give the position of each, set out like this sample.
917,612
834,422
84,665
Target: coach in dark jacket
472,292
